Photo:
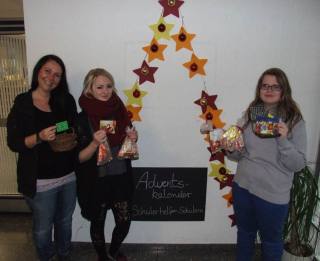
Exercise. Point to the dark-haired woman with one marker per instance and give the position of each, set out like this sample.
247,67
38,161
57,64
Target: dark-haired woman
266,166
45,177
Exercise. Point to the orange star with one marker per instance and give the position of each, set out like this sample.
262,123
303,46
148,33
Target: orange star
155,50
133,112
213,116
183,39
195,66
229,198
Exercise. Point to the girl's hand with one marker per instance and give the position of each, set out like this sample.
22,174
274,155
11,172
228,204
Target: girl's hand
48,134
283,129
99,137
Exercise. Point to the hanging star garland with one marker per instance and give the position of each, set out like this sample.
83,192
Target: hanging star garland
155,50
219,156
213,116
228,198
226,181
195,66
206,100
161,29
233,219
183,39
135,95
171,7
218,171
133,113
145,73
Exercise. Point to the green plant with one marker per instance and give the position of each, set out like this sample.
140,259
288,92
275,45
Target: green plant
303,202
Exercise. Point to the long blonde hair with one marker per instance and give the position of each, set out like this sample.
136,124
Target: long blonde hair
90,78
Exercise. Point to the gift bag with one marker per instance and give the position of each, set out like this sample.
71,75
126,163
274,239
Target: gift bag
129,148
232,139
104,153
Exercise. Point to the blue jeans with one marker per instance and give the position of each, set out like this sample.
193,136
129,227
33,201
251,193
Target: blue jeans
254,214
53,208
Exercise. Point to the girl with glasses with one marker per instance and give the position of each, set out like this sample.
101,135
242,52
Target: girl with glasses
266,166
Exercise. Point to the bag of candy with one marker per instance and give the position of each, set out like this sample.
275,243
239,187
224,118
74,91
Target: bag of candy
232,139
104,153
129,148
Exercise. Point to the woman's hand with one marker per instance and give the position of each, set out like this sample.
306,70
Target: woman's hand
283,129
99,137
48,134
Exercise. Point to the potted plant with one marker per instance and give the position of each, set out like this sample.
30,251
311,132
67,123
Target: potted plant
298,230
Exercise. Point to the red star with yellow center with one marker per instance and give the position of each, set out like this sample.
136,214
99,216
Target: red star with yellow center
155,50
145,72
206,100
183,39
171,7
195,66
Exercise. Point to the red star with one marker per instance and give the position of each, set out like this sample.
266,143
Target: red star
206,100
218,156
145,72
171,7
226,182
233,219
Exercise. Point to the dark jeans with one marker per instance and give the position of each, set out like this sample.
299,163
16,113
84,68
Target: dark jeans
255,214
53,209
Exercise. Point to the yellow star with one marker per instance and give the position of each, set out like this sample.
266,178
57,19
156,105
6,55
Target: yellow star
195,66
183,39
161,29
218,170
213,116
155,50
135,95
133,113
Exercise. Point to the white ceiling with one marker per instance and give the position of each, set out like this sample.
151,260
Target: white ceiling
11,9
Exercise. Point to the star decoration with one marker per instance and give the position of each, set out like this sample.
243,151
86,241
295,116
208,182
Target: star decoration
135,95
219,156
226,181
206,100
233,219
155,50
218,171
183,39
161,29
171,7
195,66
133,113
145,72
228,198
213,116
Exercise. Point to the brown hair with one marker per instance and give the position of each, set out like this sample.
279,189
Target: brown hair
287,107
90,78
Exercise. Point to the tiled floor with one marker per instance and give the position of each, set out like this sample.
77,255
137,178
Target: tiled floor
16,245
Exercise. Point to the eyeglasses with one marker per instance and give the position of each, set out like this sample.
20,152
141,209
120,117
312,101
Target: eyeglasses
274,88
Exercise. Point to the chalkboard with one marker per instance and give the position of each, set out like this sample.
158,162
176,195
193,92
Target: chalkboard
169,194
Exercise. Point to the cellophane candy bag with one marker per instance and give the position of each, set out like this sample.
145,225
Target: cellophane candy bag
129,148
104,153
232,139
215,136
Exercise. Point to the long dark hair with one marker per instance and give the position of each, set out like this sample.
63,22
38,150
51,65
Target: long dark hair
58,96
287,107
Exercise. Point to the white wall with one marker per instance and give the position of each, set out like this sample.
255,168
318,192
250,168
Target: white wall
240,38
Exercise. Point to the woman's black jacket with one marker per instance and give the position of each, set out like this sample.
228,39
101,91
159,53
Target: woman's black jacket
20,124
87,172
